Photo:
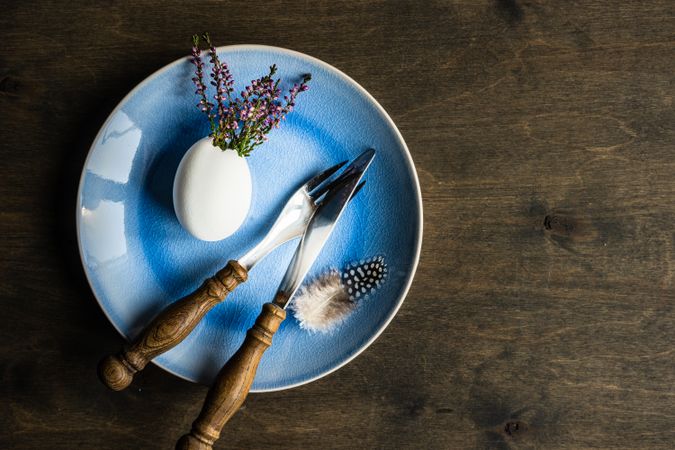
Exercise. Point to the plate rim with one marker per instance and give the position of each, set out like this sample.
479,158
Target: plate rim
332,69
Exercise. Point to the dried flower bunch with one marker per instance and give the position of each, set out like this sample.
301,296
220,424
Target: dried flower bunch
240,123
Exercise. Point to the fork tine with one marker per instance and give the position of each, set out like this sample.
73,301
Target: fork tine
337,188
333,188
317,180
358,188
316,194
325,187
354,167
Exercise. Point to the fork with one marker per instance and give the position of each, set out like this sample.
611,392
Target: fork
177,321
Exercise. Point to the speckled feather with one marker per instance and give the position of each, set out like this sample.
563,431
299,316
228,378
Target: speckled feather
327,301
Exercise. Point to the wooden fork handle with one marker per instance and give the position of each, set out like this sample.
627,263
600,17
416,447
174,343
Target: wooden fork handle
233,382
170,327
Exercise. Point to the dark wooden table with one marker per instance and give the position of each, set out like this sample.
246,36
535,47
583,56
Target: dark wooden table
542,312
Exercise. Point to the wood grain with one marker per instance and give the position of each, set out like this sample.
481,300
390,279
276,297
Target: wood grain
170,327
542,312
233,382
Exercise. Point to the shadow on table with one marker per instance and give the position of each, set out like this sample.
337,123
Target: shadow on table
88,335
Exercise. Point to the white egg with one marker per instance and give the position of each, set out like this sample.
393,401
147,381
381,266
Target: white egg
211,191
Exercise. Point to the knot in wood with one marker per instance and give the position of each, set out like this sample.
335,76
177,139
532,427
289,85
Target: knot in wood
514,427
8,86
562,225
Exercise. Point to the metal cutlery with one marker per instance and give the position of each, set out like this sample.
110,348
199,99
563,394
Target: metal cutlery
176,321
234,380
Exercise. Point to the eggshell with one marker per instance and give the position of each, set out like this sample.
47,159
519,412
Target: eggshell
211,191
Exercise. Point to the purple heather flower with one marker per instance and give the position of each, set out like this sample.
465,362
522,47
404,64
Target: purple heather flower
241,123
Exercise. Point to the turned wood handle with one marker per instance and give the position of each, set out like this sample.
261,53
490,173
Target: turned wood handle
233,381
170,327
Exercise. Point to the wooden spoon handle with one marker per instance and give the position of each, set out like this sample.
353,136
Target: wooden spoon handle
233,382
170,327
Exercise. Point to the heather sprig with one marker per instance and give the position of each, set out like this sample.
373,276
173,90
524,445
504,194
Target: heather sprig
240,123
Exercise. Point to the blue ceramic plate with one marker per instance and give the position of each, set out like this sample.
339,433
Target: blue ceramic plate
138,259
